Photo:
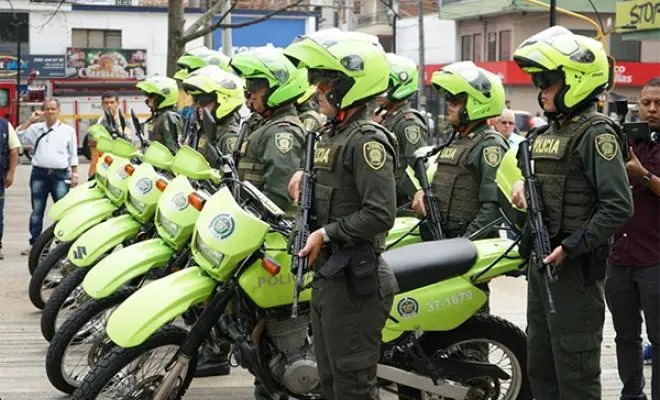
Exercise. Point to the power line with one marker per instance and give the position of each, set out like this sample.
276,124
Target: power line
52,15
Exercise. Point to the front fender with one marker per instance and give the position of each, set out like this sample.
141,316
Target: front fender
85,216
156,304
403,233
91,245
78,195
122,266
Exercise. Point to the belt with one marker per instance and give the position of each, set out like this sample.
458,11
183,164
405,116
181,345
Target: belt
50,170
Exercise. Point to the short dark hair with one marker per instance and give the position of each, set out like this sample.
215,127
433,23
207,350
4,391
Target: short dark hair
653,82
50,100
109,95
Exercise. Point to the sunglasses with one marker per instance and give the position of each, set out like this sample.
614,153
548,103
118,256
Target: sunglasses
203,99
546,79
506,122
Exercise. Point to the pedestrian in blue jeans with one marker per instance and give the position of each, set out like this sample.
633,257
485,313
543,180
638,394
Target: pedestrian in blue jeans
54,161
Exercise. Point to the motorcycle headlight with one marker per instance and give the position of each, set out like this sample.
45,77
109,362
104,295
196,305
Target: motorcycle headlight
170,227
136,203
114,191
213,256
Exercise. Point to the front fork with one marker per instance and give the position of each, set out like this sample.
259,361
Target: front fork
208,319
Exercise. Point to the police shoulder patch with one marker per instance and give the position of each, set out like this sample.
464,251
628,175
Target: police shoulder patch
284,141
606,146
231,143
374,154
413,133
311,124
492,155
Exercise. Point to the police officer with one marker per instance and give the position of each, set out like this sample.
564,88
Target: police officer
197,58
354,206
465,178
222,94
165,124
308,109
407,124
271,153
579,163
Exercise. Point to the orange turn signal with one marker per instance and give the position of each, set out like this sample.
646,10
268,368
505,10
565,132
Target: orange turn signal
107,160
129,169
196,201
161,185
270,265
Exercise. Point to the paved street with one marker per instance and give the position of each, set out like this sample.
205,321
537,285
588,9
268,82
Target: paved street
22,348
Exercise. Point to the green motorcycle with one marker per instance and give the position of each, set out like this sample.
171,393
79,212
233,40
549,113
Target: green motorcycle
125,229
81,338
241,290
86,192
52,269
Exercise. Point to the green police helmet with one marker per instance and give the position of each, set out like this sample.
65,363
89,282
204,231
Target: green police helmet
483,90
197,58
355,63
164,88
224,86
580,61
285,82
404,77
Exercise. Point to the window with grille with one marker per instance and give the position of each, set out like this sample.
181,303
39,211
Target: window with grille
505,45
103,38
466,48
491,48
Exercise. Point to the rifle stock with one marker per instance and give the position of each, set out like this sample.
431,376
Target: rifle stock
300,265
239,142
537,228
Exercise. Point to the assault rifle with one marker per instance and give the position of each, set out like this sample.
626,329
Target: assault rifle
139,132
431,201
300,265
538,231
111,124
239,142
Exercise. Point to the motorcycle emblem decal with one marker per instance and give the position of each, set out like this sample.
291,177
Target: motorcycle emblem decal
222,226
407,307
180,201
80,252
144,186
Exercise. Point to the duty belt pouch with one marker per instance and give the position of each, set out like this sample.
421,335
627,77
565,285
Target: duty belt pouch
362,273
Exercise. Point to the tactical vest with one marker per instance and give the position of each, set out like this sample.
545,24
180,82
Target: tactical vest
157,124
456,185
568,197
251,164
393,126
311,120
335,193
4,151
229,127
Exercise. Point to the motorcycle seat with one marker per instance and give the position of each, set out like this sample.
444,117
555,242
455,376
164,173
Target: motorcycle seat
422,264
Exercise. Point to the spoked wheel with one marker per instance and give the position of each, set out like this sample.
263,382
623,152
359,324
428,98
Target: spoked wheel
482,338
49,274
66,298
81,342
43,245
137,372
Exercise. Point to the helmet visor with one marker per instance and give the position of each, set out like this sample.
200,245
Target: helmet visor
546,79
253,85
203,99
322,77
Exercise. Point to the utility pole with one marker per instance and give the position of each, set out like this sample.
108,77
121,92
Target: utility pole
328,12
208,38
395,16
553,12
174,34
227,48
421,97
18,70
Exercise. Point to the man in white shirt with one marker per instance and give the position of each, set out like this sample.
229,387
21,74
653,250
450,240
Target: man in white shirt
538,121
505,124
54,160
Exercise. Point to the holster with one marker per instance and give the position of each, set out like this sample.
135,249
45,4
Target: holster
359,265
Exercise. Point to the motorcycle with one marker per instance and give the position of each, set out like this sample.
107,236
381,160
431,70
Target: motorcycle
120,273
240,290
124,229
54,267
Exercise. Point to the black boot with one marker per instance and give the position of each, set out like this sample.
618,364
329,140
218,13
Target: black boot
209,364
